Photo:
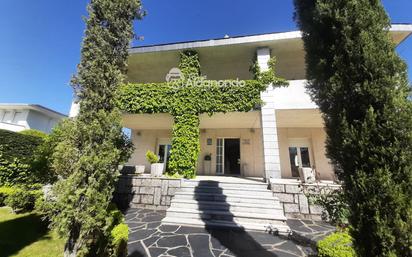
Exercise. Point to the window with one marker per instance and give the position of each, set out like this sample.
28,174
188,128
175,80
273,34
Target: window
8,117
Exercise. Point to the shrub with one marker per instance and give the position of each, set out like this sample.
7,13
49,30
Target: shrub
152,157
17,145
34,132
24,158
4,193
338,244
334,205
14,172
119,238
22,200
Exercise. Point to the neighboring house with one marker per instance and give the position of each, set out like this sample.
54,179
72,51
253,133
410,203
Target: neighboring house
18,117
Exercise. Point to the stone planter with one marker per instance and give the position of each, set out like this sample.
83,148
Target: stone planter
156,169
140,169
307,175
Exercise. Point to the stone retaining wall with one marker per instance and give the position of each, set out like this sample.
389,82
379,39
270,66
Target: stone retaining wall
294,202
145,191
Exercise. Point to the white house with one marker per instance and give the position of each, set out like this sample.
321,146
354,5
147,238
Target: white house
18,117
286,134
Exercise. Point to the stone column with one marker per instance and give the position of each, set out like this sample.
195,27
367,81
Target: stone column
268,121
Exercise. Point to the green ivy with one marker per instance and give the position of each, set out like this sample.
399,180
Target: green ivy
185,99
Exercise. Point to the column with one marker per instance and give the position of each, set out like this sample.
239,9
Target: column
268,120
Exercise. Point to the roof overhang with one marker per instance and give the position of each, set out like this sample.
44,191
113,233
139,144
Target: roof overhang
34,107
230,58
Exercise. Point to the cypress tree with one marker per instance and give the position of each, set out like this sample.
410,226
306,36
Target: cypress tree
92,144
361,87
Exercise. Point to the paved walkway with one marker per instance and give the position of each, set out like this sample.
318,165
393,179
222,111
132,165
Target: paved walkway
149,238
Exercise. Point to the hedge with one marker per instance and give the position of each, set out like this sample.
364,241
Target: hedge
18,145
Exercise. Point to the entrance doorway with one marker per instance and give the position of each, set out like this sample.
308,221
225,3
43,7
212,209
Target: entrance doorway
299,155
163,151
228,156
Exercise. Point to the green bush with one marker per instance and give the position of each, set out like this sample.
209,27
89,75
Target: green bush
28,167
22,200
14,172
152,157
335,208
119,238
34,132
338,244
17,145
4,193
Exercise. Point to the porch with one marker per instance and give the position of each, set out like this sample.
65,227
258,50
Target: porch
232,143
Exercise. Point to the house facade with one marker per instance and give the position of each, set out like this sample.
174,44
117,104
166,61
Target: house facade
18,117
284,135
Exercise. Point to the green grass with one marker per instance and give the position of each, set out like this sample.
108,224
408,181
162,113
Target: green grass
25,235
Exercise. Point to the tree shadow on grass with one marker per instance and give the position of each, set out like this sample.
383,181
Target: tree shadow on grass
20,232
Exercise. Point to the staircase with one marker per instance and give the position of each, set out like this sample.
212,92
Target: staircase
241,204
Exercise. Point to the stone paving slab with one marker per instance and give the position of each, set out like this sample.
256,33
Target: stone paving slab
309,231
149,238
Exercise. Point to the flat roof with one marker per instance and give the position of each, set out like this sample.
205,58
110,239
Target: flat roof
230,58
36,107
395,28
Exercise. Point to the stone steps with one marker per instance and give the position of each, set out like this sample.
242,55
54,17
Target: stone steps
228,191
281,227
245,205
234,207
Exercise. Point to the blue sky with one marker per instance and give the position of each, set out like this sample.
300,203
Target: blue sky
40,41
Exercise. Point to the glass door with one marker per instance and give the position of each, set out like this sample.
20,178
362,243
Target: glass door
299,158
164,153
220,146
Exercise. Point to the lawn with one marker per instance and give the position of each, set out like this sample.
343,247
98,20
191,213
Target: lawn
25,235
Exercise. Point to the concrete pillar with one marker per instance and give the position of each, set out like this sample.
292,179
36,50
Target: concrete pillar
268,119
75,108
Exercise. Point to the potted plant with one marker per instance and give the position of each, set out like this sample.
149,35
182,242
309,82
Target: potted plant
156,168
207,164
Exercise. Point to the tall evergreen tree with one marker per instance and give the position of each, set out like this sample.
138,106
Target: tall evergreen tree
93,144
361,87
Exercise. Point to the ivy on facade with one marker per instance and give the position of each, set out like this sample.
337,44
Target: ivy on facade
188,97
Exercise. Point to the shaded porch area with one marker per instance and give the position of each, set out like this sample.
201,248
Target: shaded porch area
301,139
230,144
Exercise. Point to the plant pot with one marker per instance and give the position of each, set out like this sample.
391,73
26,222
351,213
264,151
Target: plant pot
139,169
156,169
307,175
207,167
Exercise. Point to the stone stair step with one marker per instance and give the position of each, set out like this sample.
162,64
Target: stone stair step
225,199
242,207
280,226
234,190
267,196
272,204
226,215
249,185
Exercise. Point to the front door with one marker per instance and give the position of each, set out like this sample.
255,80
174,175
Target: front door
228,156
299,158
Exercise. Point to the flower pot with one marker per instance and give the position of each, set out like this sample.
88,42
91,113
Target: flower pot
307,175
139,169
207,167
156,169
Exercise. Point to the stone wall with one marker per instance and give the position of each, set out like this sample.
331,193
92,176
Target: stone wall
294,202
145,191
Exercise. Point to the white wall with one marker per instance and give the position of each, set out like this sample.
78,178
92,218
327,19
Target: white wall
40,121
14,120
294,96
